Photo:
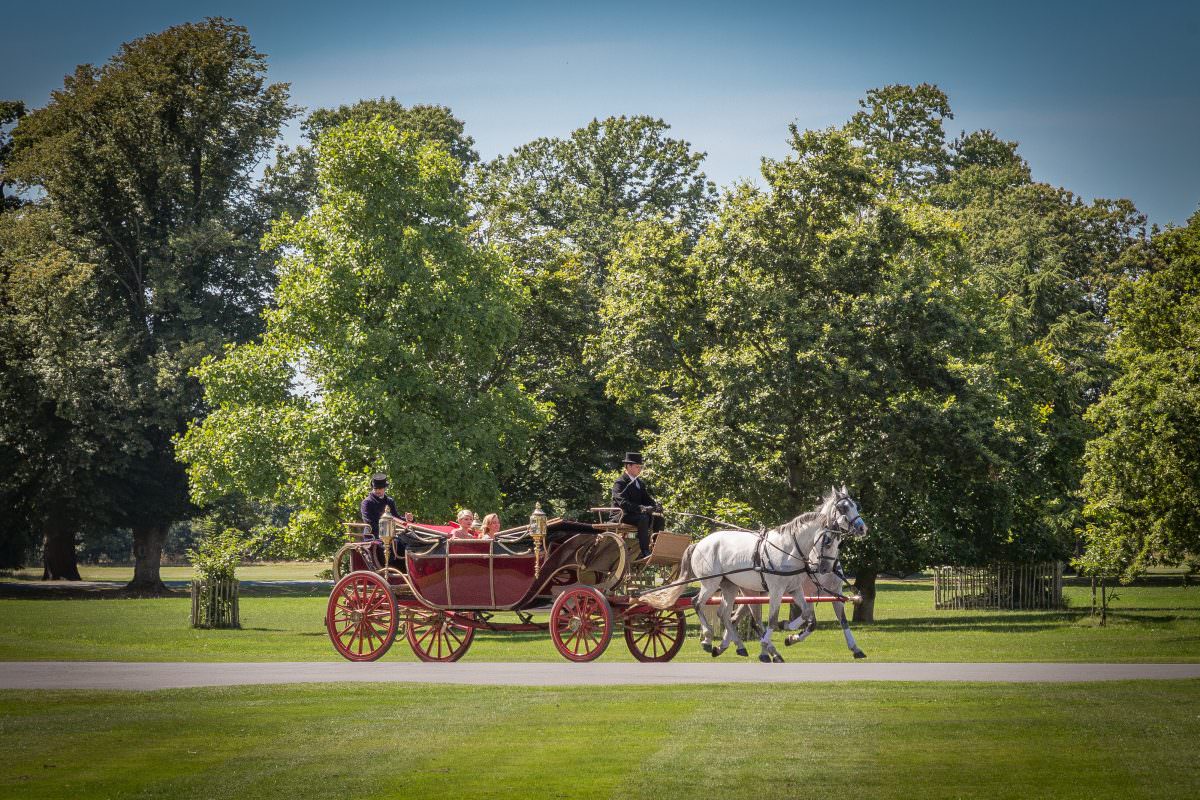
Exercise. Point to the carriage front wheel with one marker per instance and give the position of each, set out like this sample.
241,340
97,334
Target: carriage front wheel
362,616
581,623
655,635
434,636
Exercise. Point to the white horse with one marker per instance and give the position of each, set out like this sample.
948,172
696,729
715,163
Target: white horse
775,562
824,584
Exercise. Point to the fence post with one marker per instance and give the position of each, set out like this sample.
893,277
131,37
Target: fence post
215,604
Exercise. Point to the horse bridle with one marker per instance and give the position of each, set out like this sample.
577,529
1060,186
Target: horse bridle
829,534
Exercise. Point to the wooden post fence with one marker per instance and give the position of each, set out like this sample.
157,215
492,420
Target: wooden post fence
999,587
215,604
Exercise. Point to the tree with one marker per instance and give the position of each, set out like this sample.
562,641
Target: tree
64,427
901,130
379,353
820,330
291,182
1049,261
149,163
558,208
11,112
1142,485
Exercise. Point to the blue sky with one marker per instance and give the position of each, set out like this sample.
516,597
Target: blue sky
1103,97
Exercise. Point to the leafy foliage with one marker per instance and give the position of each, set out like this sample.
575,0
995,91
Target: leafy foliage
380,352
558,208
291,181
1143,469
218,553
820,329
148,163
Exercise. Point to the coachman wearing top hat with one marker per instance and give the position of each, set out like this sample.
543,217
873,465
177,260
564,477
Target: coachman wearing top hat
374,503
630,495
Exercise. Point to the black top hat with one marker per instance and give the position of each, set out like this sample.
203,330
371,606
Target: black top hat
379,481
632,458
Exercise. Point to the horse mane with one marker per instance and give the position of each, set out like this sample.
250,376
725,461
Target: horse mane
823,514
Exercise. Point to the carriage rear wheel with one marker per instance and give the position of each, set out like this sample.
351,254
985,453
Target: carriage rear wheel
655,635
581,623
434,636
362,616
342,563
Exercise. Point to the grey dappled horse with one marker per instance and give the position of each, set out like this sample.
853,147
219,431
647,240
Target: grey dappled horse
725,562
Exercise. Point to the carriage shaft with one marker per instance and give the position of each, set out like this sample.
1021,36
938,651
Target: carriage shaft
757,600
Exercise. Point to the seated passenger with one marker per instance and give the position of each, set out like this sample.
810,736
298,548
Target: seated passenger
465,522
490,527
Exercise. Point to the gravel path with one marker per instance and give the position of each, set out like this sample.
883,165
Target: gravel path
147,676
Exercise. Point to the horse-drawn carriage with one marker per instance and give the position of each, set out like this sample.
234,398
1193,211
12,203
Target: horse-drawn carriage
444,589
440,589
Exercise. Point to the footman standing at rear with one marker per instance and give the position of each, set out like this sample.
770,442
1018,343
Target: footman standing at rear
629,494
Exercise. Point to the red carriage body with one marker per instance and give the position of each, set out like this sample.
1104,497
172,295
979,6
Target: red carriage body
440,590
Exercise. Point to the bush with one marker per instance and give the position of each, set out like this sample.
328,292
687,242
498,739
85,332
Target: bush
218,552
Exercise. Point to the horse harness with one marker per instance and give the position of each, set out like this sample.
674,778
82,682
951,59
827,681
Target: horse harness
764,565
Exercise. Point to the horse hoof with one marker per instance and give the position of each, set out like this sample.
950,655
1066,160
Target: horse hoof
778,659
763,657
715,652
788,641
859,654
706,647
743,652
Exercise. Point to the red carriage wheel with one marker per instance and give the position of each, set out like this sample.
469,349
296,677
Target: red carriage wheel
361,617
434,636
655,635
581,623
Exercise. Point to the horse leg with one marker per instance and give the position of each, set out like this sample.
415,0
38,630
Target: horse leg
707,590
728,595
840,610
744,612
769,653
807,620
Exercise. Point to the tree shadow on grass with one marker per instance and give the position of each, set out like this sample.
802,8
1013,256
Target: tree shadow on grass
889,588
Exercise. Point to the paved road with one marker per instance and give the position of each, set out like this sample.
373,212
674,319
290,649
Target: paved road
146,676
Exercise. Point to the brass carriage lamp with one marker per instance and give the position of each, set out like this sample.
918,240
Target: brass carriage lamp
387,528
537,521
537,530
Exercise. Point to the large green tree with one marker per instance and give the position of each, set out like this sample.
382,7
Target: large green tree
149,163
820,331
382,350
65,431
1049,261
1143,469
558,207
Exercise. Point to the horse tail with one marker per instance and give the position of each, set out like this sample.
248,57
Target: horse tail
666,597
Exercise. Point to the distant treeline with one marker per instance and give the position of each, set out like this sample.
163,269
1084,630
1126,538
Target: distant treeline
997,368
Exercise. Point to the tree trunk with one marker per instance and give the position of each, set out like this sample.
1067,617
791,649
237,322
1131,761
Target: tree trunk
147,560
864,584
58,550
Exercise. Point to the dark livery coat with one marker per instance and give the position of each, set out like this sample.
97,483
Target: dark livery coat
629,494
372,509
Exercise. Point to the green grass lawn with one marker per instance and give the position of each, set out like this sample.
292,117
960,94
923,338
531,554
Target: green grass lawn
1111,740
273,571
1149,623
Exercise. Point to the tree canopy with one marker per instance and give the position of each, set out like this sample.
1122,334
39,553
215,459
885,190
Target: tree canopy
1143,468
381,351
558,209
148,164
